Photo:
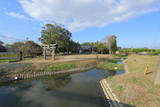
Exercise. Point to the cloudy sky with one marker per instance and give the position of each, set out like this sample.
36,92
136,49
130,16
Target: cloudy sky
136,23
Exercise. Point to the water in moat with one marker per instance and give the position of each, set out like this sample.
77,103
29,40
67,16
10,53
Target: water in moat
70,90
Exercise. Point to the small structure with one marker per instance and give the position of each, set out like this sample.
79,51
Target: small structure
86,49
49,49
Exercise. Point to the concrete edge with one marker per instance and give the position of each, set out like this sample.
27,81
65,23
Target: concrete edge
125,66
112,99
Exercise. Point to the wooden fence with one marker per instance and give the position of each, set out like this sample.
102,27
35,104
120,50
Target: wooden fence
15,77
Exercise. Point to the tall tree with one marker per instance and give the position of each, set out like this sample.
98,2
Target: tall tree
112,44
56,34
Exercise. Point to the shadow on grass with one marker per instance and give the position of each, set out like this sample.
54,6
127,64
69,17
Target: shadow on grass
149,73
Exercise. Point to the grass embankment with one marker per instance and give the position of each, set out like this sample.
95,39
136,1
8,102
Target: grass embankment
51,67
135,88
110,65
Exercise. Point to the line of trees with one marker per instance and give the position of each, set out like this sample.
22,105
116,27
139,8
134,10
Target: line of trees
139,50
109,45
59,35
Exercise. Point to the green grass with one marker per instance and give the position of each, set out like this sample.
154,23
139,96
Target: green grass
48,68
158,99
121,56
6,60
110,65
8,55
58,67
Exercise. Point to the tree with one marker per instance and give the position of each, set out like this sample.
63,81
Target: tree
112,44
28,48
32,49
99,47
56,34
74,47
16,46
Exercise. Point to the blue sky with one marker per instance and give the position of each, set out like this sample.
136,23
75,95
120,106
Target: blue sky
135,26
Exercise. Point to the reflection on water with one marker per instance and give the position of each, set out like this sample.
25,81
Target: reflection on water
71,90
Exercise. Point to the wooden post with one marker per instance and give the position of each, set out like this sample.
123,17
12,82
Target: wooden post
20,55
53,54
44,53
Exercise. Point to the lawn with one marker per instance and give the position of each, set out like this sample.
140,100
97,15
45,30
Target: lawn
135,88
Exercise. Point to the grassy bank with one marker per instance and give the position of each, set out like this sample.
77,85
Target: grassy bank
51,67
110,65
134,88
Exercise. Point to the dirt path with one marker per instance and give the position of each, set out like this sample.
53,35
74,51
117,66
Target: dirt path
12,66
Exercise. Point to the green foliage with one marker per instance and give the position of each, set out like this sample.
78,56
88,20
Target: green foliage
32,48
110,65
9,55
58,67
121,55
98,47
154,52
73,47
57,34
48,68
137,50
6,60
28,48
112,44
158,99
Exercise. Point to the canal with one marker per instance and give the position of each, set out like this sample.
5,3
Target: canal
69,90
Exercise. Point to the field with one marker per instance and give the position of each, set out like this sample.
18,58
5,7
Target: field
134,88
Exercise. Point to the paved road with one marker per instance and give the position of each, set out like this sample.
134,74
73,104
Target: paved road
157,79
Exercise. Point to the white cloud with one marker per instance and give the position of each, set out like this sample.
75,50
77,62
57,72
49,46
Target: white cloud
7,37
17,15
80,14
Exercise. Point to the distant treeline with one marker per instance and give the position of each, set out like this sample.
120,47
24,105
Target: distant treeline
140,50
